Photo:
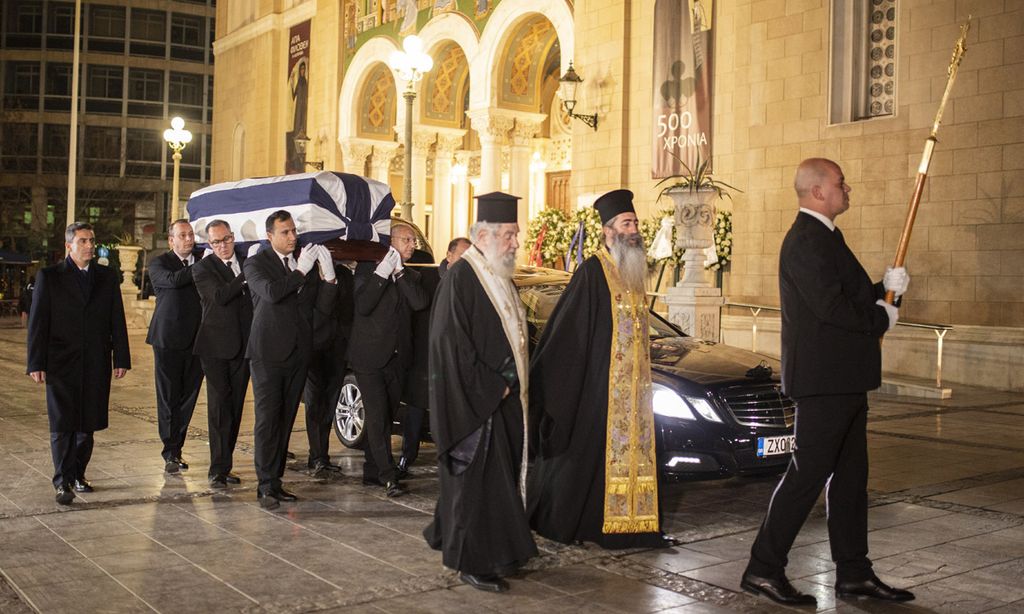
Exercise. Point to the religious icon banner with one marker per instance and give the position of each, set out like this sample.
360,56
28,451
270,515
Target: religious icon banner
298,87
683,57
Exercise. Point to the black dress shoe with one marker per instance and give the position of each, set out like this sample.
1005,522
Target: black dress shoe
218,482
181,463
492,584
283,495
780,590
371,481
394,489
402,468
289,455
65,495
83,485
171,466
874,588
231,478
322,470
267,501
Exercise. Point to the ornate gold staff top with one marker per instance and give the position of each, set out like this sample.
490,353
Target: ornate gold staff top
929,146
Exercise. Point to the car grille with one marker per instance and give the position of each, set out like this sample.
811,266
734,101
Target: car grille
759,406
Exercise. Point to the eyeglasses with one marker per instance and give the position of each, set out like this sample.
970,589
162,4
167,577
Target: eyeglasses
227,239
403,239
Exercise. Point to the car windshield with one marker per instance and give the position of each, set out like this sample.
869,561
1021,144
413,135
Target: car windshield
540,301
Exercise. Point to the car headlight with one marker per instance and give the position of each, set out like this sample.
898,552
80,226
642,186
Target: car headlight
668,403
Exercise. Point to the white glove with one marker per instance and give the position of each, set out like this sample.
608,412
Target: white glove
387,264
398,261
207,252
891,311
307,258
896,280
255,247
326,263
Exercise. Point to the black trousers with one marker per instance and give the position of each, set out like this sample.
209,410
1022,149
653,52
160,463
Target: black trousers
226,384
276,388
179,375
71,452
323,383
382,392
412,425
832,453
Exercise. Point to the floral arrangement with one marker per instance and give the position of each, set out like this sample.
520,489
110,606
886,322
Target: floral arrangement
723,240
592,235
649,230
555,225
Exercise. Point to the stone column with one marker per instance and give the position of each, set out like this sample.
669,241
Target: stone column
493,127
460,197
694,305
447,142
422,139
380,163
527,125
355,153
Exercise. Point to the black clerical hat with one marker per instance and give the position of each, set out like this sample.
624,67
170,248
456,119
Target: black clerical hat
613,203
497,208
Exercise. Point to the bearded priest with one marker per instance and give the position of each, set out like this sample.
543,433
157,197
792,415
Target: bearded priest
478,398
595,478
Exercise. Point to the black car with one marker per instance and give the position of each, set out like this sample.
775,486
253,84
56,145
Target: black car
719,411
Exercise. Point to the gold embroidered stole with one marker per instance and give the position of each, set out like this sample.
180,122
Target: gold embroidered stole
631,470
505,300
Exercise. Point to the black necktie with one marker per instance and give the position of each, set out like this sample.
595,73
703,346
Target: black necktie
184,262
288,263
231,269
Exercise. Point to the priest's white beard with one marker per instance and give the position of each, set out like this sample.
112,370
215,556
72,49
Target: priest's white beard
628,252
503,265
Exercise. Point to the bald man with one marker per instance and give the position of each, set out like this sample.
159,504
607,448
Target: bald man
832,320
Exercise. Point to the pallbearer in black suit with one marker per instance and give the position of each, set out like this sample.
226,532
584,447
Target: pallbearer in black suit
478,391
289,297
76,325
832,320
381,351
220,345
172,331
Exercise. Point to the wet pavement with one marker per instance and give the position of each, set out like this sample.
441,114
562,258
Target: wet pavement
946,519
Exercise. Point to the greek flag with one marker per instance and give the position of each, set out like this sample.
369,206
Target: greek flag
325,205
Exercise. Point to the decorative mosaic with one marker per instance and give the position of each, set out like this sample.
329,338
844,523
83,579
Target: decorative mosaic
378,98
881,62
525,57
445,87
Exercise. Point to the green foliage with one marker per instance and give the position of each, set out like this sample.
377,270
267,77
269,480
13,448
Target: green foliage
593,237
697,179
556,237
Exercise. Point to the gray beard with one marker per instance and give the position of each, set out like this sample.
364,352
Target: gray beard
631,261
503,265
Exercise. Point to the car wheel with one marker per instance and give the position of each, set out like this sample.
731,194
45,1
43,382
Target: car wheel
348,414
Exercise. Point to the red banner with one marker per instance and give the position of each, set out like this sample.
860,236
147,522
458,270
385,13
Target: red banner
298,87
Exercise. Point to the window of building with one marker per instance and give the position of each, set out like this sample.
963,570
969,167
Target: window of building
106,28
60,25
58,87
23,23
185,95
21,87
145,92
188,37
143,149
20,146
863,60
191,160
102,150
56,143
105,89
149,25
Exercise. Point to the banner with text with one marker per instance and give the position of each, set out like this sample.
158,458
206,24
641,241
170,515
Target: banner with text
298,86
683,57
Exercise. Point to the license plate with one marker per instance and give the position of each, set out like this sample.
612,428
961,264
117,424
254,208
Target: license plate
773,446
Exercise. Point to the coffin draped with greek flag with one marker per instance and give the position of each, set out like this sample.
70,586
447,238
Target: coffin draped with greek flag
325,206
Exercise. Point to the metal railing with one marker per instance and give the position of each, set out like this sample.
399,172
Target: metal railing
940,331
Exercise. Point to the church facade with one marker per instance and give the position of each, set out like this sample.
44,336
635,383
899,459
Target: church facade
753,85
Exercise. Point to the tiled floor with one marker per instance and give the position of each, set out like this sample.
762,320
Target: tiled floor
947,520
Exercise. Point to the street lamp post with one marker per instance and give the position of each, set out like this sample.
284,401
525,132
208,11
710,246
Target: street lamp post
177,138
410,65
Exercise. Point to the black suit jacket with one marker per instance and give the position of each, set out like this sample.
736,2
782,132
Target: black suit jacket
227,309
76,334
287,306
382,324
178,311
830,323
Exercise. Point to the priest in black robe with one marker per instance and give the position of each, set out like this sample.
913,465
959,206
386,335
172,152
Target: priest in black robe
595,477
478,392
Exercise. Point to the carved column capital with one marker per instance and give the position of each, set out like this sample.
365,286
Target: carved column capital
448,141
355,152
422,139
492,125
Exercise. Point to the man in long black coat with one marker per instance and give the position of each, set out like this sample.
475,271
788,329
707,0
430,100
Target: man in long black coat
172,331
220,344
478,390
75,328
832,320
595,477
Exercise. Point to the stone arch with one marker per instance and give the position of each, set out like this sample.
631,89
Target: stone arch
238,152
363,63
485,75
528,64
375,107
443,90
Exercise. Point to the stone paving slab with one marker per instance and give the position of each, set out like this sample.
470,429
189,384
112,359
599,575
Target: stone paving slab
946,518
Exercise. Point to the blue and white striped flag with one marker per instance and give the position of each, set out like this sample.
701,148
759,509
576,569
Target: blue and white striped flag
325,205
